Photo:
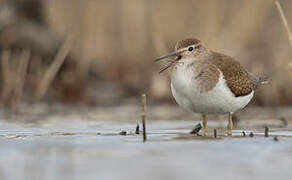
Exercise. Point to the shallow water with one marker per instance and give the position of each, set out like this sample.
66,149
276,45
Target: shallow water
80,147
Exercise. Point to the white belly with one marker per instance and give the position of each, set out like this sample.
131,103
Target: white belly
219,100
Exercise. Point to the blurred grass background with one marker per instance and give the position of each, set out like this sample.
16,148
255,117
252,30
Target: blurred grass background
99,52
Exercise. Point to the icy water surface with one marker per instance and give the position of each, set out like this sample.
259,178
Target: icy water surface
82,147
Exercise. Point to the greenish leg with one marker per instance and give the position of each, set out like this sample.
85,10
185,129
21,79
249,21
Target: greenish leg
230,125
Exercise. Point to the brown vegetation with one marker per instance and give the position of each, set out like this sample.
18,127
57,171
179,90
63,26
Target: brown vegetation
117,41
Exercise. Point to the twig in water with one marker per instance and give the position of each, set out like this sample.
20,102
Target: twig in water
137,129
215,133
266,131
143,99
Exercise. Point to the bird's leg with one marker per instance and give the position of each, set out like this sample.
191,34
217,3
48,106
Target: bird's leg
204,124
230,125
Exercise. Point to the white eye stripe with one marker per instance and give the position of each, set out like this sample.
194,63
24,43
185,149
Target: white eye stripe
197,46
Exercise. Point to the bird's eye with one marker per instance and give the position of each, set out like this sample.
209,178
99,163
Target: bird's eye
191,48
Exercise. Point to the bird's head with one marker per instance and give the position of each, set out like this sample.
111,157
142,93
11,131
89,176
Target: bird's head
184,50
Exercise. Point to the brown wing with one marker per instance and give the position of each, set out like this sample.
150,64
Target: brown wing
206,75
238,79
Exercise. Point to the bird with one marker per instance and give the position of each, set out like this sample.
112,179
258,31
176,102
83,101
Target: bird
208,82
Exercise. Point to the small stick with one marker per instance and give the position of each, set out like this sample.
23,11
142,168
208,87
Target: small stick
137,129
215,133
266,131
284,20
143,99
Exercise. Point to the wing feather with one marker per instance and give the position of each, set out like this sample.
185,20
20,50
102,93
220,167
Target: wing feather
238,79
206,75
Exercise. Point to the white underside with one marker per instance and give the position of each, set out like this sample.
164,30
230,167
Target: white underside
219,100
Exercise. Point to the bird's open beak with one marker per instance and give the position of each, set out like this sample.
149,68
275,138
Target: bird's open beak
175,53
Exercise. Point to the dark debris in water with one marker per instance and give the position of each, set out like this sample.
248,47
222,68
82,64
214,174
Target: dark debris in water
197,129
123,133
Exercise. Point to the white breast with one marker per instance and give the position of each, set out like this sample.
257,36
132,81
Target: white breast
219,100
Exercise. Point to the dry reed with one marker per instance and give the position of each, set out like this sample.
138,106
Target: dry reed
123,44
117,41
284,20
6,74
286,25
51,72
21,74
14,69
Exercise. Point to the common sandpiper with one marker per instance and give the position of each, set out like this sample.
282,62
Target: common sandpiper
208,82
